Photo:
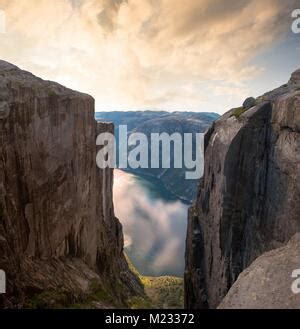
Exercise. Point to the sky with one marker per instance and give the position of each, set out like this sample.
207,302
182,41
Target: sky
191,55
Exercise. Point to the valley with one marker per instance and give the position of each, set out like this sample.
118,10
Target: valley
158,122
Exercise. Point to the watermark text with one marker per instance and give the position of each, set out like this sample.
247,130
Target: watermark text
296,284
2,282
296,22
159,150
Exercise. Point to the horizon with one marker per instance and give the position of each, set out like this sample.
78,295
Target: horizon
159,55
147,110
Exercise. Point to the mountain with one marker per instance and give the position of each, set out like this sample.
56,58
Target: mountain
60,242
149,122
248,204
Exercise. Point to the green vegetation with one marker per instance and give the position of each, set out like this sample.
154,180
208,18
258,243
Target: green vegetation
140,303
162,292
239,111
51,93
165,291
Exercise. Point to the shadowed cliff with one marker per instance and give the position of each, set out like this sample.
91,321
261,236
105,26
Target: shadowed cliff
60,243
249,199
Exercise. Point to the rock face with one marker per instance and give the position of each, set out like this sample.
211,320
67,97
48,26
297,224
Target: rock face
249,199
268,282
57,223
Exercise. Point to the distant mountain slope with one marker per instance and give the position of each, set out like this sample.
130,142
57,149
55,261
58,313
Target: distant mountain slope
135,118
148,122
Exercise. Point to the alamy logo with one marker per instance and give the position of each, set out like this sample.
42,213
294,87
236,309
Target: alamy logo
162,150
2,21
2,282
296,23
296,283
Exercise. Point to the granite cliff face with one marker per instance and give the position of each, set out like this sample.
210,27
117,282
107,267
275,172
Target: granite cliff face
249,199
58,231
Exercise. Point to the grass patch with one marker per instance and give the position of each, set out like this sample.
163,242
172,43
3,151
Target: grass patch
165,291
140,303
162,292
238,112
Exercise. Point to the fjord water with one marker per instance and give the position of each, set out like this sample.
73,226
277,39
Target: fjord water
154,224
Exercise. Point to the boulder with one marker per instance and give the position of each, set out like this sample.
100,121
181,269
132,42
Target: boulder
270,281
249,102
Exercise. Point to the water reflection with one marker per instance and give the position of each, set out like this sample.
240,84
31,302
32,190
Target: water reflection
154,224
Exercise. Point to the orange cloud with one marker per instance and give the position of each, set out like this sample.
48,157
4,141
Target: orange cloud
129,53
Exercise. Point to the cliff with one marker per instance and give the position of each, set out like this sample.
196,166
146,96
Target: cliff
249,198
59,237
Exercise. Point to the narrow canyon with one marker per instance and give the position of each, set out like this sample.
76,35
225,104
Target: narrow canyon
61,241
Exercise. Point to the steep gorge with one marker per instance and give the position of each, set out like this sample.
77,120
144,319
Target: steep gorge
60,242
249,198
58,232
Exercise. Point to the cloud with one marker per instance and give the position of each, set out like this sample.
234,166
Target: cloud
108,16
169,253
154,229
138,53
